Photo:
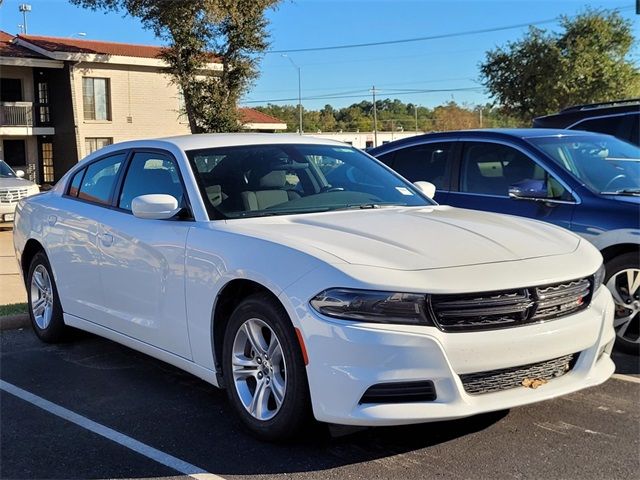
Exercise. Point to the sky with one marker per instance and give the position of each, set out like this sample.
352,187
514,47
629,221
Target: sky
447,68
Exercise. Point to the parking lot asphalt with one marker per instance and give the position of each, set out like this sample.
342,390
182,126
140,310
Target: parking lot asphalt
590,434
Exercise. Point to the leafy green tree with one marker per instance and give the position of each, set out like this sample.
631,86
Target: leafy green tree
588,61
236,30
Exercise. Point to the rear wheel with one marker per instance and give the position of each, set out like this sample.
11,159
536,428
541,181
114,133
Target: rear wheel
623,280
264,371
45,310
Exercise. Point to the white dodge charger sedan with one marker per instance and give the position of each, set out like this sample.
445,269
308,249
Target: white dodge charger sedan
310,280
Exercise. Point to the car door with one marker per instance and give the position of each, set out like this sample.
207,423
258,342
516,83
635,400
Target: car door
488,169
143,261
429,162
72,236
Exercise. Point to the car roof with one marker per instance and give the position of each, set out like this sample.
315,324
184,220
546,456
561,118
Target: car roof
570,116
494,133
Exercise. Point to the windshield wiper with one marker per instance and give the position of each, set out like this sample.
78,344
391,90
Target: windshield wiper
369,206
623,191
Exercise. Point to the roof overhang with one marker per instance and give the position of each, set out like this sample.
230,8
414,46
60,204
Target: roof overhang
105,58
30,62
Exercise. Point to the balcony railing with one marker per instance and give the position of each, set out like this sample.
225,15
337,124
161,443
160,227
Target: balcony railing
16,114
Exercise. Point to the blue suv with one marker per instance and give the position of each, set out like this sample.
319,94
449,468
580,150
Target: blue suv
586,182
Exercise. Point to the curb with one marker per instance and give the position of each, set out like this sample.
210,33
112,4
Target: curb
12,322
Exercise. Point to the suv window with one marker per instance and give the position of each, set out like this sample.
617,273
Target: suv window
100,178
490,169
619,126
150,173
428,162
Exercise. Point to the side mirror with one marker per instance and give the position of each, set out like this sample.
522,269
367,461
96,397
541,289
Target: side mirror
428,188
20,173
529,190
155,206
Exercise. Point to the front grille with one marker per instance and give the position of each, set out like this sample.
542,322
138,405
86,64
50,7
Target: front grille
507,378
400,392
12,195
509,308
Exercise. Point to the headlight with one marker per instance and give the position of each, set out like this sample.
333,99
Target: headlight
598,278
372,306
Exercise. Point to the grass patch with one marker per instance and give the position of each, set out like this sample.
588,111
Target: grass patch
13,309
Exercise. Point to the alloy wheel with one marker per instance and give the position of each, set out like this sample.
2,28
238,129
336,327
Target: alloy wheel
41,297
259,369
625,288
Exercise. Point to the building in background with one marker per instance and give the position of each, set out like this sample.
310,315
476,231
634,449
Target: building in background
363,140
63,98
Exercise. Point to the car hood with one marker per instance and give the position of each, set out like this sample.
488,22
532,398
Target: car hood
414,238
14,182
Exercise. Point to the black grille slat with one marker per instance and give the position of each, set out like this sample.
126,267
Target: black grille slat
508,378
490,310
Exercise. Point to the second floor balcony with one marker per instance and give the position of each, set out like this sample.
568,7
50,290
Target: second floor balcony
16,114
24,118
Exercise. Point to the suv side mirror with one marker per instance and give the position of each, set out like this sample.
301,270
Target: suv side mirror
155,206
20,173
428,188
529,190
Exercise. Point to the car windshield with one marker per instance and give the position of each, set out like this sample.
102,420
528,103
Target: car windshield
6,171
603,163
262,180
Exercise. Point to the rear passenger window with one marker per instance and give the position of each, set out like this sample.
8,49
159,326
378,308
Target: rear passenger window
74,186
428,162
100,178
150,173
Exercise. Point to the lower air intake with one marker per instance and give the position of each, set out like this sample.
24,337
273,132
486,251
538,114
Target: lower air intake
507,378
400,392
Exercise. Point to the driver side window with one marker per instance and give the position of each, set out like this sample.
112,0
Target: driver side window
490,169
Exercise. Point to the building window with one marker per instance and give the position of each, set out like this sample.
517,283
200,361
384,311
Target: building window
93,144
43,100
47,162
95,94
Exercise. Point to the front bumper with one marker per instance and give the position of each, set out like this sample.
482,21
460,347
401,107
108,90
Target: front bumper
7,212
345,359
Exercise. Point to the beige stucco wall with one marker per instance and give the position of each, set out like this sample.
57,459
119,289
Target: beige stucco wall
143,93
23,73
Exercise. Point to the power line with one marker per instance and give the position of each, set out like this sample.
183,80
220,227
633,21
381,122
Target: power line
430,37
365,93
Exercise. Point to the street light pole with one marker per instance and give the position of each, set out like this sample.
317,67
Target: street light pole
299,91
24,8
375,118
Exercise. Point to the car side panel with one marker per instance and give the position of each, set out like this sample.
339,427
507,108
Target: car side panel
68,231
216,256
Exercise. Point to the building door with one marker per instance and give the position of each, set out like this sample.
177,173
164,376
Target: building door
10,90
46,161
14,153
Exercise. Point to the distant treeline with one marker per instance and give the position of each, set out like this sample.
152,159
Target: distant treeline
392,115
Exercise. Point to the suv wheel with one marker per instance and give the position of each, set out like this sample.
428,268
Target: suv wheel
623,280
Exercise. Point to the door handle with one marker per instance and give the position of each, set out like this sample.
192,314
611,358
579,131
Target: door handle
107,239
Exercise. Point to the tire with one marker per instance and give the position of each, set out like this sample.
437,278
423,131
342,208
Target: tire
269,393
45,310
627,316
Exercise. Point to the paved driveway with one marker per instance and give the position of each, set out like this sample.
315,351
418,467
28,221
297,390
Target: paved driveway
104,411
11,286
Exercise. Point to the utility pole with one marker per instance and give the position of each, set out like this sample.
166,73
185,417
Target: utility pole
24,8
480,116
299,91
375,118
415,110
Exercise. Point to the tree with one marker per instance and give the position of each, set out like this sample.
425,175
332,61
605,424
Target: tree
234,29
588,61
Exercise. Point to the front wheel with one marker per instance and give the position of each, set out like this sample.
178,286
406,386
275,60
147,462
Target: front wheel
623,280
264,370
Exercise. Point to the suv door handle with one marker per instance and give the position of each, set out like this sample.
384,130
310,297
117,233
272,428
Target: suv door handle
107,239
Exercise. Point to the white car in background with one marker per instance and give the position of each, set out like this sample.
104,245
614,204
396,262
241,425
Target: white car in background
307,278
12,189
